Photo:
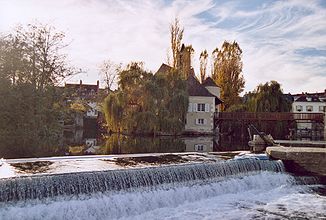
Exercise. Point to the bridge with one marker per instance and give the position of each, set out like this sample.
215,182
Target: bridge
268,116
237,122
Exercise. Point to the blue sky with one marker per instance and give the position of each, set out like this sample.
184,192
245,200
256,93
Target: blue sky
281,40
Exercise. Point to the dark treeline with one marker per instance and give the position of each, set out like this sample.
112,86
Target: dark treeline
31,113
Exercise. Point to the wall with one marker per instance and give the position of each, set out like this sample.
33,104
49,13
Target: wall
193,115
217,92
304,105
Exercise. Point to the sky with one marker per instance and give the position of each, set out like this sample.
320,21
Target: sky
281,40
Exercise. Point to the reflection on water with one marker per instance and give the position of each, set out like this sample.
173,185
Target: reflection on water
126,144
115,144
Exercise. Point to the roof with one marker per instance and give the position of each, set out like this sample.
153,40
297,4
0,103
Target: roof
197,89
194,86
209,82
319,94
164,68
304,98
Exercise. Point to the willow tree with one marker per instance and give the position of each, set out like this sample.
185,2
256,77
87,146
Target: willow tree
227,72
203,65
114,106
268,97
147,103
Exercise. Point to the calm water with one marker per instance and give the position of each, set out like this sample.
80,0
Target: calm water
115,144
126,144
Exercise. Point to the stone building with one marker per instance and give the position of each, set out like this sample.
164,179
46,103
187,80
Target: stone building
204,102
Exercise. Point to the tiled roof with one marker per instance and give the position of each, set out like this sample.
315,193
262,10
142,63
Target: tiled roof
304,98
197,89
194,86
209,82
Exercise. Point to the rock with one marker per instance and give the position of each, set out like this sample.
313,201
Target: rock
301,159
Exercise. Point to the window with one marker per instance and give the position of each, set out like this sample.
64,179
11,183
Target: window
309,108
200,121
299,108
199,147
322,108
200,107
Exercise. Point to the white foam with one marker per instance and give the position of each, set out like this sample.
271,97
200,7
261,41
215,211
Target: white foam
261,195
6,170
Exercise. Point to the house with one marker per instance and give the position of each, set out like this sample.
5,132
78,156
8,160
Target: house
203,104
310,103
204,101
84,126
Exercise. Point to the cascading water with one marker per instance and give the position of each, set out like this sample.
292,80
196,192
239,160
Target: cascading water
236,189
43,186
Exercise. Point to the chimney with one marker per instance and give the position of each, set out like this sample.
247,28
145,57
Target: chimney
80,82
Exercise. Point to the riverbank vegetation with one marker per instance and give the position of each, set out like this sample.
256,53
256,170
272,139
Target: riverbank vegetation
147,103
31,66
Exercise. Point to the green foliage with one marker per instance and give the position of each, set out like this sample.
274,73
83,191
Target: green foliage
30,107
29,122
147,103
268,97
227,72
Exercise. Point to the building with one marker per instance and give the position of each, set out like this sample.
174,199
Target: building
310,103
82,126
204,101
203,104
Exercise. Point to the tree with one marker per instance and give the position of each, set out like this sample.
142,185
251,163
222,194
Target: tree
33,55
176,34
227,72
147,103
31,63
203,65
184,67
109,73
268,97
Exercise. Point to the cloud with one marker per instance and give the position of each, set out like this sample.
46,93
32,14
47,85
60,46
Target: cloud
271,34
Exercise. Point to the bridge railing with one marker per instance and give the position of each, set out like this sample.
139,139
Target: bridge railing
270,116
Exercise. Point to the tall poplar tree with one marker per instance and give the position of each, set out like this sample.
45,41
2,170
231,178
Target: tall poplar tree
227,72
203,65
176,35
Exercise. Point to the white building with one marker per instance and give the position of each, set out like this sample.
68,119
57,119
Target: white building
306,103
203,103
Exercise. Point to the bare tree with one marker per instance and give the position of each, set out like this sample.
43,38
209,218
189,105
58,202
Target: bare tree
176,32
35,55
109,73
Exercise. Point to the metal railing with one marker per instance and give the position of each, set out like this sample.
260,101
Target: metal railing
270,116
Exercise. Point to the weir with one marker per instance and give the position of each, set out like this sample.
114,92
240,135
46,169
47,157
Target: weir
46,186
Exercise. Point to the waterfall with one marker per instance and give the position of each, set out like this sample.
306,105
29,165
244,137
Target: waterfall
46,186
